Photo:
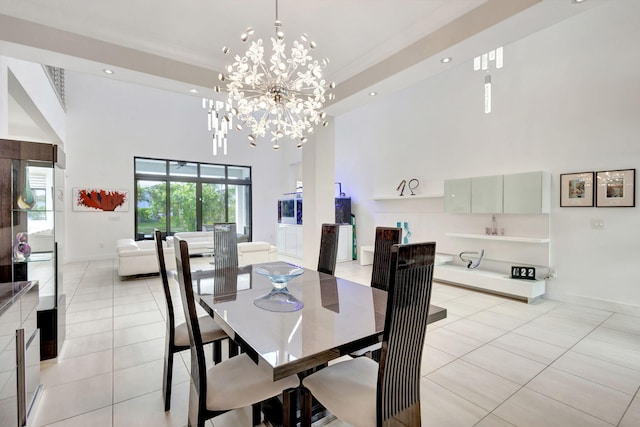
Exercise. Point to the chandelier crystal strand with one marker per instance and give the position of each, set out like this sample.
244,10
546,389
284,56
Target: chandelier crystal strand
482,63
219,120
278,96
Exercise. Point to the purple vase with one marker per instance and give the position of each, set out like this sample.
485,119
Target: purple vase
21,250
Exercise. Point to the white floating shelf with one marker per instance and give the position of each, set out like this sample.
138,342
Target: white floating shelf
410,197
500,238
498,283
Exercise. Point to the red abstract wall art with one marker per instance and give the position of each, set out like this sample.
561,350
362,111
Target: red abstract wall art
89,199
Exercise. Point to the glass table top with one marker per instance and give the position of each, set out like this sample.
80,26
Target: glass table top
338,317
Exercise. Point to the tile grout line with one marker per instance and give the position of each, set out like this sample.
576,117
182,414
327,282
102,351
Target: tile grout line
524,385
635,396
549,366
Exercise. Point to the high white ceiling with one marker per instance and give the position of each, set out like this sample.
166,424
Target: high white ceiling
377,45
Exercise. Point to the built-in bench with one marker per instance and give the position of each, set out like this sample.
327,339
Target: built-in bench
366,254
490,281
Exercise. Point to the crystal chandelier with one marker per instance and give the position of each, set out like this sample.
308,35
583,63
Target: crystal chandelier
278,96
219,120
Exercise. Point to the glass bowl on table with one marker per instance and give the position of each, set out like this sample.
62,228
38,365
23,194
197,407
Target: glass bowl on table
279,299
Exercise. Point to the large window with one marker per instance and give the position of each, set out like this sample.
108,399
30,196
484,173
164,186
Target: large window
176,196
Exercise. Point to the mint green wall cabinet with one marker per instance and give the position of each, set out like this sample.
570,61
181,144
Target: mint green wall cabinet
457,195
527,193
486,194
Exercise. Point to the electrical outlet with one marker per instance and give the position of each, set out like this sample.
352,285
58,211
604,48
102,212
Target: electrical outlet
597,223
552,274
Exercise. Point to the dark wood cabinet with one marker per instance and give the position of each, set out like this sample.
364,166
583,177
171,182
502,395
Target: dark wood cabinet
31,229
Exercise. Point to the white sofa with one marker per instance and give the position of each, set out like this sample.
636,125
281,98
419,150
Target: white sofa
139,257
256,252
248,252
200,242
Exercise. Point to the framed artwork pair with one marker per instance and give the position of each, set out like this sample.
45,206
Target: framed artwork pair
615,188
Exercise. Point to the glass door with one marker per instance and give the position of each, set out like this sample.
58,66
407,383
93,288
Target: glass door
182,197
151,208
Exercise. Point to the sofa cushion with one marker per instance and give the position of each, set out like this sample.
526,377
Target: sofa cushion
196,236
139,257
126,245
199,241
256,252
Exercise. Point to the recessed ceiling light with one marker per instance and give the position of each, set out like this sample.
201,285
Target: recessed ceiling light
373,93
446,60
577,1
107,71
193,90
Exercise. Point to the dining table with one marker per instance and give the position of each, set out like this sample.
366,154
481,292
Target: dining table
338,316
334,317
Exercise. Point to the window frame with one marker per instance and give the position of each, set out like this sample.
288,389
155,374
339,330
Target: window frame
168,179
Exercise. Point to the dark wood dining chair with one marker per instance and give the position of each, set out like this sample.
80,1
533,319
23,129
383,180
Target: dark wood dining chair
236,382
365,393
225,244
328,248
385,238
177,337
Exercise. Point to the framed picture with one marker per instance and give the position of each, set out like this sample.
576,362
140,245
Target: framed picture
576,189
616,188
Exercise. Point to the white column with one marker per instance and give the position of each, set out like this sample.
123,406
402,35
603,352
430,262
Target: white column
318,171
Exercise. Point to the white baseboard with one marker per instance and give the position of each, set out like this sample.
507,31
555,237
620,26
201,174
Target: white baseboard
617,307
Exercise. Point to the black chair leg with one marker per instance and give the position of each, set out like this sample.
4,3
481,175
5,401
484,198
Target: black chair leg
167,379
233,349
306,407
289,407
217,351
256,414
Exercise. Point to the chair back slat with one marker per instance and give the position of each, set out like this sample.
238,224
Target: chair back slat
385,238
225,244
198,363
328,248
171,321
409,293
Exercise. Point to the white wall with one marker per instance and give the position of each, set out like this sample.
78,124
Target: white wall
109,122
566,101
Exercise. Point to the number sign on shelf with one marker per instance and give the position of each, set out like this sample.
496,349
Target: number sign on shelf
528,273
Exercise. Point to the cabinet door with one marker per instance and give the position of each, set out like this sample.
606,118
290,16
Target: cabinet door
527,193
298,232
291,244
344,244
281,239
457,195
486,194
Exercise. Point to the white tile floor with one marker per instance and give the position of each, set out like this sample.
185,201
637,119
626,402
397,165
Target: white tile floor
492,362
